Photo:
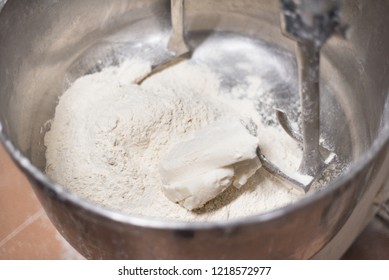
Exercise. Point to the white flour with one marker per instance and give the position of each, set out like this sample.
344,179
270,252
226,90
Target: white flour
108,136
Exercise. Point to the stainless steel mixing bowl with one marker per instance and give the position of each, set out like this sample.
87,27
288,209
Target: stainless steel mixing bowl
46,44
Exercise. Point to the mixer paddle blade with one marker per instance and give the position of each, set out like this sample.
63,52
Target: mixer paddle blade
177,45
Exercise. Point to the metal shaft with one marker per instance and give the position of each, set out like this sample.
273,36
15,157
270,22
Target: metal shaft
310,23
308,59
176,45
177,42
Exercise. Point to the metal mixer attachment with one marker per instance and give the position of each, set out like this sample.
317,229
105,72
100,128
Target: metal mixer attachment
177,45
310,23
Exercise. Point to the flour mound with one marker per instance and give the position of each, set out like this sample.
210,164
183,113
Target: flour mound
109,134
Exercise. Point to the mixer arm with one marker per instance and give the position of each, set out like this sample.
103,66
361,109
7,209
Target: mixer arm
310,20
310,23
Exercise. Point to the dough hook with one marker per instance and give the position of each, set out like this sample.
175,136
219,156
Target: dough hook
310,23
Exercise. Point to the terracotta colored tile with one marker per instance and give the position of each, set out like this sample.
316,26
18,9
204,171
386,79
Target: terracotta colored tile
36,241
17,200
25,230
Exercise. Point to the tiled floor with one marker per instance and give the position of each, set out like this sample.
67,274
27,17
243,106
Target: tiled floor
27,233
25,230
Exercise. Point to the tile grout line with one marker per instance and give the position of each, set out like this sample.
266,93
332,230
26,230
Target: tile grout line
22,226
